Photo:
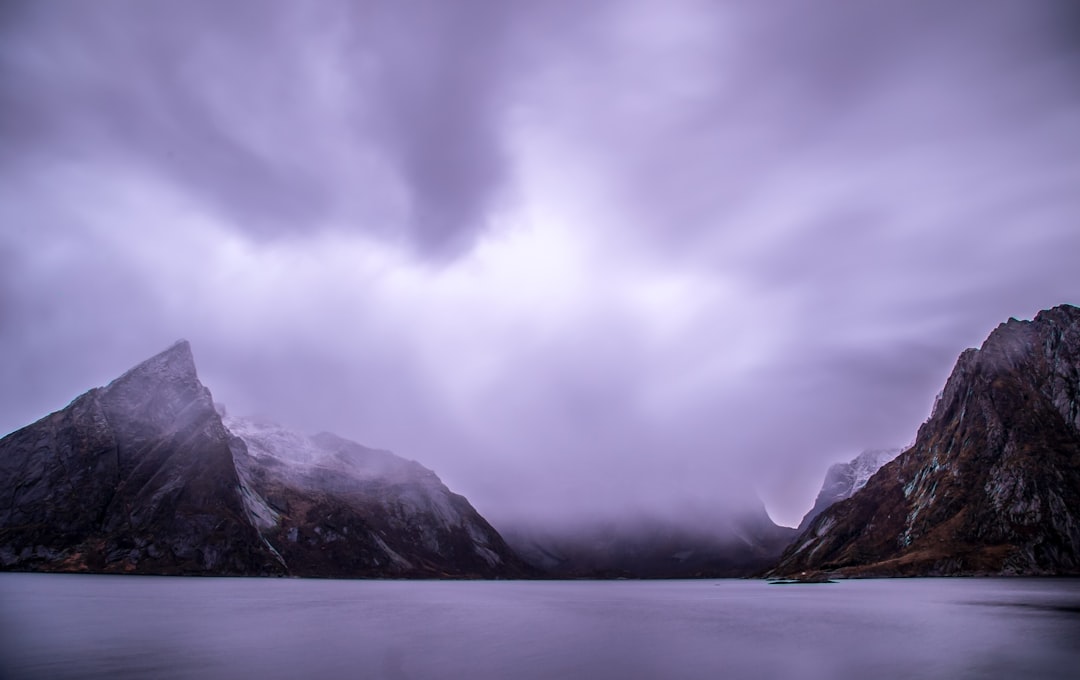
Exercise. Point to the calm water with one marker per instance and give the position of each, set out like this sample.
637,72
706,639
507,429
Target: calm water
68,626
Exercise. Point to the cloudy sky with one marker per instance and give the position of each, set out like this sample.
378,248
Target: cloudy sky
574,256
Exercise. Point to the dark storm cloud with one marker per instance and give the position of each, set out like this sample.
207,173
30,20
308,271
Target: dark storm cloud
687,251
385,117
130,82
442,72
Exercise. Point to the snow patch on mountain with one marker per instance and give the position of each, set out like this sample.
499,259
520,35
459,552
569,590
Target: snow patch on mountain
411,499
866,464
843,479
325,459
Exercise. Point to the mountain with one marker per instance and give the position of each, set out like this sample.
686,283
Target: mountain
330,507
133,477
143,476
992,483
844,479
737,544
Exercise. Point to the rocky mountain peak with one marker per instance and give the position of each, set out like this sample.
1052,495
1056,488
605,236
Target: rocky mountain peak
992,481
1046,349
173,366
161,392
135,476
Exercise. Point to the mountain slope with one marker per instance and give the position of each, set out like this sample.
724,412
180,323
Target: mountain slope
844,479
143,476
992,483
330,507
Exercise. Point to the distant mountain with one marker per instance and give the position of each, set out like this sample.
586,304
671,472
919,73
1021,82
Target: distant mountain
992,483
844,479
143,476
653,547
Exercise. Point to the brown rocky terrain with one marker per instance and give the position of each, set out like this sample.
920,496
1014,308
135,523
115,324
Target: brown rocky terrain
992,483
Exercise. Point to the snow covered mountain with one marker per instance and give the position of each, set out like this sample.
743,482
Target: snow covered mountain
844,479
143,476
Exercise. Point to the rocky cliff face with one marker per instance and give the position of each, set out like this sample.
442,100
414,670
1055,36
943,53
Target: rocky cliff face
137,476
992,483
142,476
844,479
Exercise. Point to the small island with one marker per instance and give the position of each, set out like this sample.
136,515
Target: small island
802,577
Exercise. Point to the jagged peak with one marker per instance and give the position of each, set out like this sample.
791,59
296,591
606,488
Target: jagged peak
1008,346
175,362
1064,314
1071,312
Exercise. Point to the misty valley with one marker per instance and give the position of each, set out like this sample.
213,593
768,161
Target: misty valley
148,476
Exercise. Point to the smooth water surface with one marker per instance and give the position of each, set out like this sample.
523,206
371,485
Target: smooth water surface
80,626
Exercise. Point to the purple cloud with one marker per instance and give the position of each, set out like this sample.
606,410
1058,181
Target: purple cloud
628,256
